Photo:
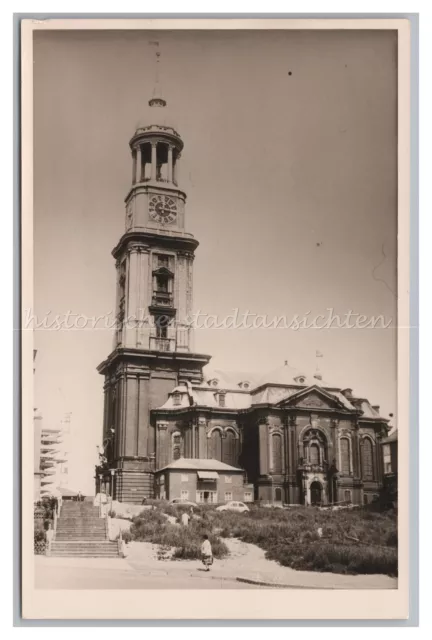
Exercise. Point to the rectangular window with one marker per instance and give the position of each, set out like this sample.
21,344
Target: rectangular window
161,284
228,479
347,495
206,497
387,467
184,495
184,477
386,450
176,399
248,496
163,261
228,496
221,399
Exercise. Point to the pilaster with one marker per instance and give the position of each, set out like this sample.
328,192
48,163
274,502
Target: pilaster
161,444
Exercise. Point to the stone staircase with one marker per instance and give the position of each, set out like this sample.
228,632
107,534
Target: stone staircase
82,533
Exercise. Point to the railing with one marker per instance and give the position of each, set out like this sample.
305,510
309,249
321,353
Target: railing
314,468
174,182
162,299
120,544
106,524
162,344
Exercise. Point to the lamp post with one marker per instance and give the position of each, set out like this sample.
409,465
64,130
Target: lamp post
112,485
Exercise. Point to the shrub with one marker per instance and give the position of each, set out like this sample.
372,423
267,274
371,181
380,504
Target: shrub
39,541
348,559
291,538
152,526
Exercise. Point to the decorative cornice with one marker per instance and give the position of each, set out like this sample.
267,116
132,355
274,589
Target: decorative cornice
145,239
138,247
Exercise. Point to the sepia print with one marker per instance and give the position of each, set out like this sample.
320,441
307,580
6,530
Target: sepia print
214,318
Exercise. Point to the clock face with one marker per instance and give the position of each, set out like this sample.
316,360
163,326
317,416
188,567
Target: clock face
163,209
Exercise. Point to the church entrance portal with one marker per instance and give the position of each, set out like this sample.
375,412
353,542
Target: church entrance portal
316,493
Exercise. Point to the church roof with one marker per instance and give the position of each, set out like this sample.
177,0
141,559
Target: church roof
288,375
200,464
229,379
157,114
243,390
393,437
205,396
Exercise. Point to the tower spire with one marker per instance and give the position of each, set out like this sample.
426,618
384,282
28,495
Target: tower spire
318,374
157,98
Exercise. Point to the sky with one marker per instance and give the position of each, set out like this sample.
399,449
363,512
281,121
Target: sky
290,171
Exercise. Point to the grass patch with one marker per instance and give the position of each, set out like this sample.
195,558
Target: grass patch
358,541
352,542
152,526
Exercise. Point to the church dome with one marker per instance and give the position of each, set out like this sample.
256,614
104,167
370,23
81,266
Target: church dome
157,117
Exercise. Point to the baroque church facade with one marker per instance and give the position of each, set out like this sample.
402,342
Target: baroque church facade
297,439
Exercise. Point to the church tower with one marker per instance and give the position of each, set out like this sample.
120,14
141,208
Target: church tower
153,342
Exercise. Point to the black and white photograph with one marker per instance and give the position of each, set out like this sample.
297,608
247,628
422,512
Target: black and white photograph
214,317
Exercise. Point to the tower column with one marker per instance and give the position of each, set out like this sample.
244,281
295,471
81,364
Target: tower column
153,160
174,169
134,165
170,163
139,164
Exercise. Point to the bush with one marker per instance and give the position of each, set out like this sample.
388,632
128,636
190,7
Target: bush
348,559
39,535
353,541
291,538
39,542
152,526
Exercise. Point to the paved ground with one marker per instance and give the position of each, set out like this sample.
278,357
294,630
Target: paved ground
55,573
142,570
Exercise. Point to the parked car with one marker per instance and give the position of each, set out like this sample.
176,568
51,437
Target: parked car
186,503
274,506
240,507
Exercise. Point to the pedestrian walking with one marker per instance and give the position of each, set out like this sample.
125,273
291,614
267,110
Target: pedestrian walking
206,553
185,519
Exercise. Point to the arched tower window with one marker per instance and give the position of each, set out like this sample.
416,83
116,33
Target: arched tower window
367,459
345,456
216,445
230,448
277,453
